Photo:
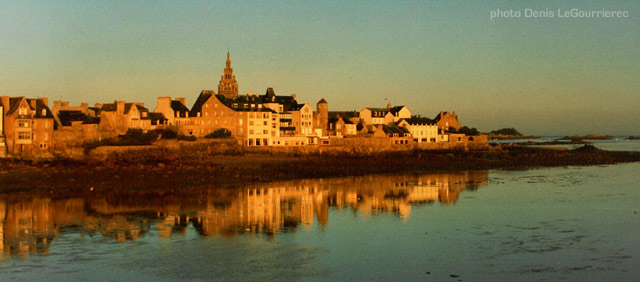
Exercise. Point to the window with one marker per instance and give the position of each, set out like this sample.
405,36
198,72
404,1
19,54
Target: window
43,146
264,122
250,131
265,131
240,122
206,114
23,123
206,106
24,135
46,137
215,105
250,122
22,111
44,112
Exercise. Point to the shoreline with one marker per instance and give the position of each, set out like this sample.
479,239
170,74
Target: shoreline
222,170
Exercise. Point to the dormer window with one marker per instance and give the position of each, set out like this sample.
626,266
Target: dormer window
44,112
22,111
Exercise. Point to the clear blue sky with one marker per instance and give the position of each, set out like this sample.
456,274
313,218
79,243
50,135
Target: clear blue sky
544,76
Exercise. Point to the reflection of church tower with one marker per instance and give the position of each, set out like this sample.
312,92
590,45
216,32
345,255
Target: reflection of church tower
228,85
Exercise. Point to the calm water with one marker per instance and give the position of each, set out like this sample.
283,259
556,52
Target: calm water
575,223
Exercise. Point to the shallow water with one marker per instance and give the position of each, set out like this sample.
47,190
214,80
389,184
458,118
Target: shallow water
575,223
618,143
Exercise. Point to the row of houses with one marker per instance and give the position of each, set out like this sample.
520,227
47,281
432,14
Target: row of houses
29,126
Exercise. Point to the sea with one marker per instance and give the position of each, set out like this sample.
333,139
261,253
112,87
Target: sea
574,223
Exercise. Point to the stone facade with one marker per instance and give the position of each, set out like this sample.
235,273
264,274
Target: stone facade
445,120
27,125
175,111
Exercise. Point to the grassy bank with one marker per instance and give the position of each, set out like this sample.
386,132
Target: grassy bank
225,170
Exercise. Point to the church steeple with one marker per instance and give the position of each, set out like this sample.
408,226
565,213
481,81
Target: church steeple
228,85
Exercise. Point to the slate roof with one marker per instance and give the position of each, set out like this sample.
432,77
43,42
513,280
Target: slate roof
14,104
202,98
322,101
287,102
177,106
419,120
393,128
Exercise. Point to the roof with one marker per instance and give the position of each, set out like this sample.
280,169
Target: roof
14,104
177,106
202,98
419,120
393,128
157,116
112,107
396,109
345,115
287,102
322,101
439,116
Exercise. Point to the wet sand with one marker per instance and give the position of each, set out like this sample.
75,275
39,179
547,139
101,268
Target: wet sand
64,176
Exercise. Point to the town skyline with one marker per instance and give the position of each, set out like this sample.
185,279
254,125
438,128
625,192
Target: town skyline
495,73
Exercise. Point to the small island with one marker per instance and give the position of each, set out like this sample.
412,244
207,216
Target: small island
587,137
508,134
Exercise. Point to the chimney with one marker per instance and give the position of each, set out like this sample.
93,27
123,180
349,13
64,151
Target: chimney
97,105
57,105
164,102
84,108
32,103
140,104
45,100
182,100
120,107
293,96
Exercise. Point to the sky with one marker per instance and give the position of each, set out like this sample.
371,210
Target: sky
543,76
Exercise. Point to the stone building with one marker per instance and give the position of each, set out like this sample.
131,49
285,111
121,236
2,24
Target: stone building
228,86
74,124
245,117
321,118
175,111
384,115
27,125
118,117
446,120
422,129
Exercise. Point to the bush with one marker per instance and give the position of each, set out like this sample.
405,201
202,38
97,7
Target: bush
135,136
167,133
187,137
467,131
219,133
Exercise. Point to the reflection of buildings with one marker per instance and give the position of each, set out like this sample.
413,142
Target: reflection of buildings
29,226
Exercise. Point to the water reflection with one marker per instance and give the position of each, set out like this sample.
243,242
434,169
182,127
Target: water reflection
28,224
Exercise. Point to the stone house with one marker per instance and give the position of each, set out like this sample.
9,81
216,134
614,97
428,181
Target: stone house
27,125
384,115
175,111
446,120
117,117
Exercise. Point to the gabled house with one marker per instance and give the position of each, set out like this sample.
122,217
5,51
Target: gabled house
446,120
175,111
27,125
117,117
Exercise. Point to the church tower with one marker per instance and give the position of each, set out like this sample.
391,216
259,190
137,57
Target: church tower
228,85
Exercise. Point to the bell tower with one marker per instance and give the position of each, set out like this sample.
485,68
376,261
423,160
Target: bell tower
228,85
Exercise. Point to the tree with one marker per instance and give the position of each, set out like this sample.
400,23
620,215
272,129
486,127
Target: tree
506,131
